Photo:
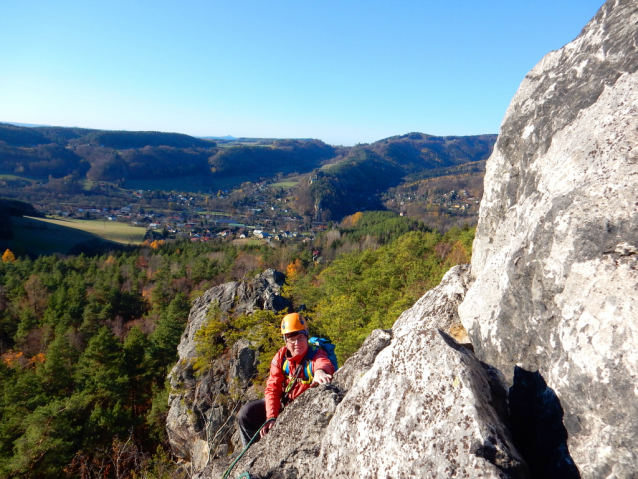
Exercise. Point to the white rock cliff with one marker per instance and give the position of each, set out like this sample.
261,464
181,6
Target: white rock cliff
411,402
555,257
550,306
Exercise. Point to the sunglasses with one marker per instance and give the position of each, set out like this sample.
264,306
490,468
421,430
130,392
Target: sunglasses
294,337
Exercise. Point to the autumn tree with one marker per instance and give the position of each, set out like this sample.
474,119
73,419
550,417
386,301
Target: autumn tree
8,256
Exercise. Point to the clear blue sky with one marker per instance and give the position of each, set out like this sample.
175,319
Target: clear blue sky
344,71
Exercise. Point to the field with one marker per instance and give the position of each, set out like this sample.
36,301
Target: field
250,242
285,184
48,236
212,213
108,230
17,178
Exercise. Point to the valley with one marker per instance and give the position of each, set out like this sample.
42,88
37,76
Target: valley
172,186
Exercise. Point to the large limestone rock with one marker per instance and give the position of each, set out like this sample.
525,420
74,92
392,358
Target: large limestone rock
240,297
200,422
412,402
555,259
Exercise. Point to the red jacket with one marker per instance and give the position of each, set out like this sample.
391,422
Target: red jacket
277,381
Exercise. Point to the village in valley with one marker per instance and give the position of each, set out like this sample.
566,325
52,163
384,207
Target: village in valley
260,212
253,211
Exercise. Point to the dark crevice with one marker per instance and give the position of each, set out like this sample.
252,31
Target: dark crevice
536,418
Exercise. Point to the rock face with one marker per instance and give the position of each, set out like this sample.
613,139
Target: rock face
242,297
555,259
551,301
200,421
411,402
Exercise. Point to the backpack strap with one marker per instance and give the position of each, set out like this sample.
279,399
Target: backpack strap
306,374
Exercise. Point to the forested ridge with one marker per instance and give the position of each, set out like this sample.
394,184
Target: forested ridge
86,342
115,155
332,181
21,136
282,156
353,180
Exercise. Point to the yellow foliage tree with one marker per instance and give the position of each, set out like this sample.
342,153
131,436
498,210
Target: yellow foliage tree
8,256
294,269
350,221
356,217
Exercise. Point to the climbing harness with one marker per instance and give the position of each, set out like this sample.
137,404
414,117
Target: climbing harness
245,474
306,366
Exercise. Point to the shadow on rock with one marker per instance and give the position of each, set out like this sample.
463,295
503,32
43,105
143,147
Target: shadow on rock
537,426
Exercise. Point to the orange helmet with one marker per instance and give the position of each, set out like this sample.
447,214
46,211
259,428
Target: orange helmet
293,322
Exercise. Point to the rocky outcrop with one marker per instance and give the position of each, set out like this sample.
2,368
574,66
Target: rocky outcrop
237,297
200,422
412,402
554,304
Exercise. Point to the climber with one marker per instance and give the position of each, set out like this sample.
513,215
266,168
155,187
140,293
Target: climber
295,368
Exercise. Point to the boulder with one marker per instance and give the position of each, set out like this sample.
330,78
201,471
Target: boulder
554,304
200,421
238,297
412,402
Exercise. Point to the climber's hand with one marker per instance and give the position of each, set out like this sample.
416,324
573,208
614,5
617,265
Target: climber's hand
266,428
321,377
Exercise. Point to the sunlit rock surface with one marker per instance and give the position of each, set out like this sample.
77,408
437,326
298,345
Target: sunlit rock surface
200,422
411,402
556,252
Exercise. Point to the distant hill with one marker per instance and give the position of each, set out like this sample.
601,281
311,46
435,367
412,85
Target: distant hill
26,136
21,136
353,181
340,181
281,156
40,152
140,139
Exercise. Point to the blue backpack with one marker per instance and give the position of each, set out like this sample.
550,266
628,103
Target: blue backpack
328,347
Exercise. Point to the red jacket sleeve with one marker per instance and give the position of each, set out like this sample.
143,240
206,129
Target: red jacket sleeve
275,385
321,361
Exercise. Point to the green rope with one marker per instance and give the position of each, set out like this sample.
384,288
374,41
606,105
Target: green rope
230,468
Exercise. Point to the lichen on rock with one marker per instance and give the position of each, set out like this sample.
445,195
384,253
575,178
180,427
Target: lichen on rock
412,402
200,422
554,259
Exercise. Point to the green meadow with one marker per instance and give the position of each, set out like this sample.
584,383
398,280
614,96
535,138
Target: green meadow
123,233
48,235
15,178
285,184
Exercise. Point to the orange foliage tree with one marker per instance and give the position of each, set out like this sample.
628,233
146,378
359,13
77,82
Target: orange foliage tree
8,256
